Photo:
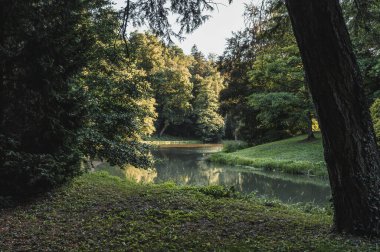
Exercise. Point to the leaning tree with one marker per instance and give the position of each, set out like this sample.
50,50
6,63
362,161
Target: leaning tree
349,141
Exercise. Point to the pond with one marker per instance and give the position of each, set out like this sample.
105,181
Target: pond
188,166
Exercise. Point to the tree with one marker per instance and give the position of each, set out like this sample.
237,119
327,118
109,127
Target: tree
120,103
234,64
173,90
278,69
120,109
279,111
208,84
148,52
167,69
348,137
44,44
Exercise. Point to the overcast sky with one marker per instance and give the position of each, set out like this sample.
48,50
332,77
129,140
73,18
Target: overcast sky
211,37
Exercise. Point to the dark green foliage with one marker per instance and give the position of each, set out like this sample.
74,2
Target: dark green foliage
266,98
44,44
279,111
363,21
234,64
190,14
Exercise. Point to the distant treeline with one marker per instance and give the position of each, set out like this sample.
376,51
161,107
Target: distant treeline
266,96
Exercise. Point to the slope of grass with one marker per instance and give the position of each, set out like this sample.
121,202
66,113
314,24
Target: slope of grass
98,212
294,155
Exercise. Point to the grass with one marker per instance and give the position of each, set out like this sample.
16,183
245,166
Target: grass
98,212
294,156
168,140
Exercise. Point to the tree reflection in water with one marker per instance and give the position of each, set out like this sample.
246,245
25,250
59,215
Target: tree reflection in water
187,166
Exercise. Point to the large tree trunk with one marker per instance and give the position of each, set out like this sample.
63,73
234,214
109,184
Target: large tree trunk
348,138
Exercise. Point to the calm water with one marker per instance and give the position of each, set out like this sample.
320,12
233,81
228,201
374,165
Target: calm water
187,166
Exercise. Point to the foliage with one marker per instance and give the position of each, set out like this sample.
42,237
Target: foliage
44,44
174,89
232,145
186,88
364,26
207,85
120,101
263,60
147,51
279,110
155,14
234,65
375,113
167,70
281,99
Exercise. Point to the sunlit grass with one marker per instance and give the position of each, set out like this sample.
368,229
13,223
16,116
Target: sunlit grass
167,140
294,155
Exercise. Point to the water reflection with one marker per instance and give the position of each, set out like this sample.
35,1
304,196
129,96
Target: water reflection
187,166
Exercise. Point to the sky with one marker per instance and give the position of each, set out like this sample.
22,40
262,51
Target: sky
211,36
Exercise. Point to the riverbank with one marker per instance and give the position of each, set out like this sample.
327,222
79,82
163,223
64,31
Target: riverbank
171,140
100,212
294,156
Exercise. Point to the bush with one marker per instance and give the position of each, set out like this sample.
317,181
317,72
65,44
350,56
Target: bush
23,173
232,146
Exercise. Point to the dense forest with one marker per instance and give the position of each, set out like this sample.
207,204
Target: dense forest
111,93
267,97
79,83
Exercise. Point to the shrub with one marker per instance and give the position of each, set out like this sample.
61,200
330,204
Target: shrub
232,146
24,173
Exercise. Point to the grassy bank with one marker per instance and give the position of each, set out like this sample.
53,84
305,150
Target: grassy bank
294,155
99,212
170,140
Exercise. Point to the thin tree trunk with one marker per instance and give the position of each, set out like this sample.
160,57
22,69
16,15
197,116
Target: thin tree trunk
166,125
348,138
310,133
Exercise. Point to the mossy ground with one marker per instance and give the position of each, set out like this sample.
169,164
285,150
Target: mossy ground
97,212
294,156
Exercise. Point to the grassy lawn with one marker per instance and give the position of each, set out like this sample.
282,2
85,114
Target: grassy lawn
98,212
293,155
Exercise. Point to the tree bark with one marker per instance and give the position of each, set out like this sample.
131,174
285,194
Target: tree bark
335,84
310,133
166,125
